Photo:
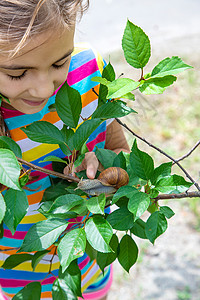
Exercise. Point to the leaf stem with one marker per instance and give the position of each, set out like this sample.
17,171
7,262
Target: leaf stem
68,147
142,74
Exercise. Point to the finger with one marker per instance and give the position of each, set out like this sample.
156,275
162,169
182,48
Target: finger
92,164
66,170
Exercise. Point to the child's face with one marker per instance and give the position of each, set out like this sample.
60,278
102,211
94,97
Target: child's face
31,77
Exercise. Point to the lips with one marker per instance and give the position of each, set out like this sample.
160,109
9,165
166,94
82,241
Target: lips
33,103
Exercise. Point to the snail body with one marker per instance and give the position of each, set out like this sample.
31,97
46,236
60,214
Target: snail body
108,182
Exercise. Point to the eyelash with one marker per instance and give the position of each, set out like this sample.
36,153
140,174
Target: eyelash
24,73
17,77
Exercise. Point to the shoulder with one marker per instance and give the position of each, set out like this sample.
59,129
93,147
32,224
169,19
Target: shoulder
86,56
85,64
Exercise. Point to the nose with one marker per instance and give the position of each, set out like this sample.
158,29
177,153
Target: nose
42,86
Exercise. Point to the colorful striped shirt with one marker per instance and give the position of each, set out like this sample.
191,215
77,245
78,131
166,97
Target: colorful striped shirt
85,64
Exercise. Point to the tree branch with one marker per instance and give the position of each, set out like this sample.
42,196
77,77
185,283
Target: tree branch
178,196
161,151
190,152
49,172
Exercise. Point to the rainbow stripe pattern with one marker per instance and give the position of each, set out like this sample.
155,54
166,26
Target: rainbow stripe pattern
85,64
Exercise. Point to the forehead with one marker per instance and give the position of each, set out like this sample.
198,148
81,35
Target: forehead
42,47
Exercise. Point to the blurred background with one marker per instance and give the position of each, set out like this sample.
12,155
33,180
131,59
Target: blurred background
169,270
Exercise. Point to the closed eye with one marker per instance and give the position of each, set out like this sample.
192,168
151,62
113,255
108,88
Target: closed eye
24,73
17,77
60,66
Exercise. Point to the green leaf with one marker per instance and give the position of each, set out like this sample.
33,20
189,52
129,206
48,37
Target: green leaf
128,96
153,193
116,109
155,226
68,105
43,234
138,229
84,150
17,207
173,184
105,259
23,180
10,144
61,291
156,85
80,209
31,291
37,257
138,203
109,74
84,131
55,190
101,80
136,46
105,156
71,247
9,169
72,277
16,259
68,146
64,203
53,158
2,208
128,252
167,211
120,87
120,161
121,219
123,191
43,132
67,133
96,205
161,171
99,233
169,66
90,251
1,230
141,163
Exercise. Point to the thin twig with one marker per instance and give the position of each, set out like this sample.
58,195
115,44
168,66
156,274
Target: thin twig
161,151
95,92
49,172
190,152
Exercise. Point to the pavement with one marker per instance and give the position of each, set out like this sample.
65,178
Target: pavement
163,21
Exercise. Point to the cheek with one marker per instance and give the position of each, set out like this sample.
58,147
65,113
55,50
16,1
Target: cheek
10,89
63,72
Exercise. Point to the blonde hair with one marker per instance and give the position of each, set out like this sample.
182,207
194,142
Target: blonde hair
24,19
21,20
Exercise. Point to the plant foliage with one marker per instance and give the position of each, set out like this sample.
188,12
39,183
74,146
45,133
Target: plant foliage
96,232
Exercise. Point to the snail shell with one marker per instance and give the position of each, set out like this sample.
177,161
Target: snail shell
114,176
108,182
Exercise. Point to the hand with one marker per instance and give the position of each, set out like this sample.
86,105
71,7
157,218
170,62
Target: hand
90,164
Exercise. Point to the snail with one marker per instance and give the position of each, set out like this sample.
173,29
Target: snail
108,182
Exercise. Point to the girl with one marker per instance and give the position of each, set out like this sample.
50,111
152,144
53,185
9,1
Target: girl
37,56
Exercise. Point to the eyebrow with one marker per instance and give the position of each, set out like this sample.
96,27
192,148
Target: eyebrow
17,67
